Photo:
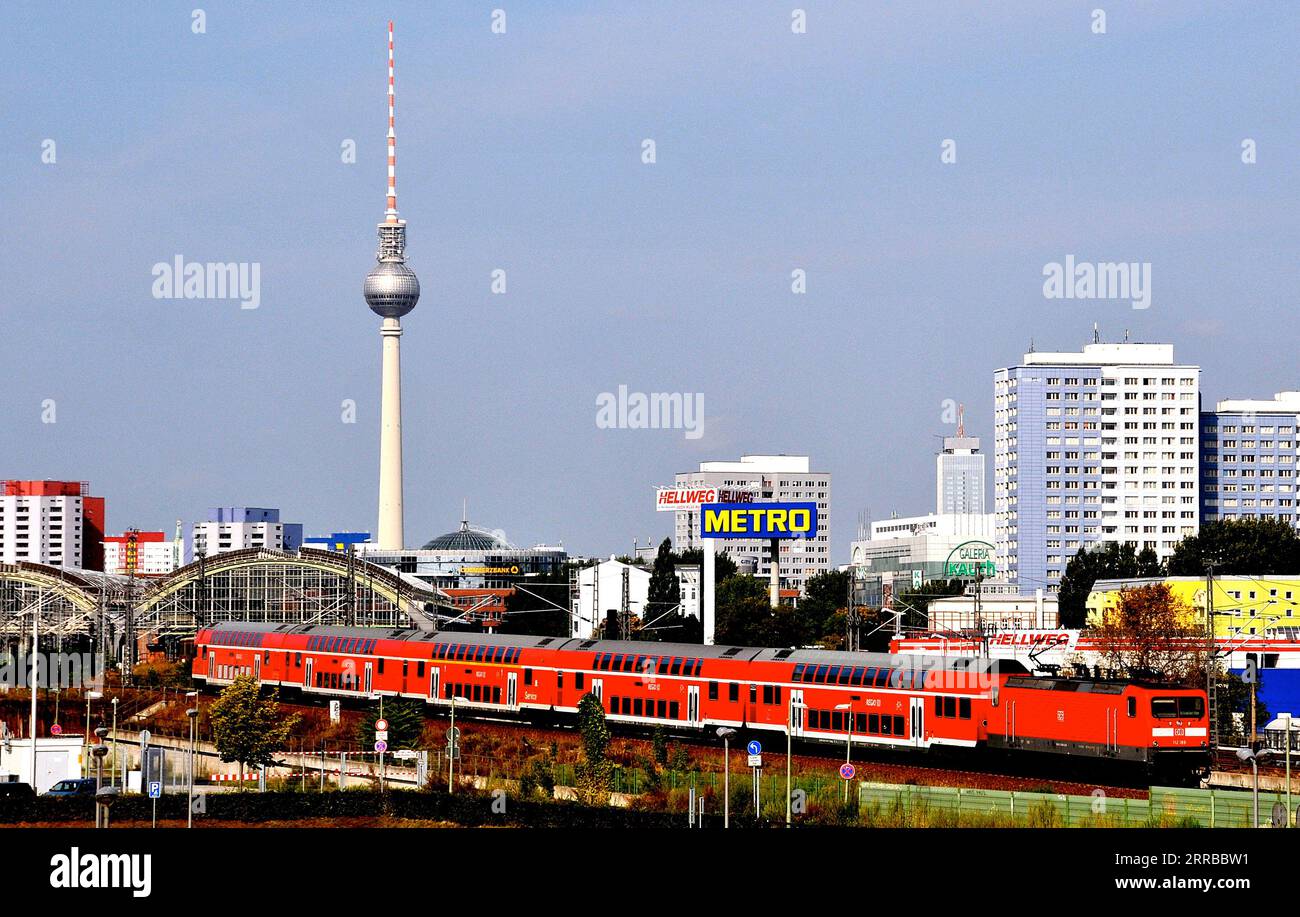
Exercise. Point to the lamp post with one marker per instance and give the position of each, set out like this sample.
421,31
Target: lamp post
451,750
789,746
90,695
193,714
1249,754
114,762
98,751
103,795
725,733
848,746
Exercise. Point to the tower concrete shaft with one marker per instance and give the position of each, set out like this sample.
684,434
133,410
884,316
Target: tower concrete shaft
391,531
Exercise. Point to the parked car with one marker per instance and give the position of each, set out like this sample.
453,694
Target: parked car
17,790
79,786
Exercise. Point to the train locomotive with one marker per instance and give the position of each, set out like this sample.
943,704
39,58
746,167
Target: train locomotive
866,699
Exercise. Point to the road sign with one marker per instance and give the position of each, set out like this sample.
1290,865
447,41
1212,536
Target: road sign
754,747
454,751
847,771
755,760
381,746
144,737
453,734
336,711
405,754
56,730
155,789
381,735
381,725
1279,815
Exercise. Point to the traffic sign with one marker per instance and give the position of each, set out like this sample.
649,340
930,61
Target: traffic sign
381,725
56,730
755,760
453,734
754,747
381,735
454,751
847,771
155,789
381,746
405,754
144,737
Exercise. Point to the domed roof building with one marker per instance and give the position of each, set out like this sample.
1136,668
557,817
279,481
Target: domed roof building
468,538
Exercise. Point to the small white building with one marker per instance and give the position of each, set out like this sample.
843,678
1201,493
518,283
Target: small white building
57,758
1000,607
600,590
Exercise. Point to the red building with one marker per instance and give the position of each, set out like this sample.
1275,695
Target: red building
51,522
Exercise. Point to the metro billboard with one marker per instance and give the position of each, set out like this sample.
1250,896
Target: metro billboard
758,520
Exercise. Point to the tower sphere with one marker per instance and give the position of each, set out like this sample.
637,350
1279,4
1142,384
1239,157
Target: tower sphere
391,289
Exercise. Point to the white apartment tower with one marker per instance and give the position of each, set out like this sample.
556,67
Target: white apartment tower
1091,447
770,478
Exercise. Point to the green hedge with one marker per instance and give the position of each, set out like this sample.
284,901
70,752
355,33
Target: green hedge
465,808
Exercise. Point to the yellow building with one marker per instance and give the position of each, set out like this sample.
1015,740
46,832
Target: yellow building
1242,604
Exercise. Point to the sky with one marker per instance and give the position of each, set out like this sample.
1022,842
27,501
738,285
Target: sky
775,150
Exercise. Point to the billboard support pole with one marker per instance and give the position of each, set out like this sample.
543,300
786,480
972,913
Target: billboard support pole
774,588
707,583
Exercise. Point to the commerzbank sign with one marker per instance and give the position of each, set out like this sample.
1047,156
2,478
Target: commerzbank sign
969,560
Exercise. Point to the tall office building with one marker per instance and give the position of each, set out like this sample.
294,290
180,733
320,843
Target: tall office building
769,478
1092,447
959,480
1248,459
51,522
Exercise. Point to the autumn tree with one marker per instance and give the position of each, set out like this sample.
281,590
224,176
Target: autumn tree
247,728
1110,560
1151,634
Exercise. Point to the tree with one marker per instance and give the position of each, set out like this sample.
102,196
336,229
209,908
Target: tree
663,617
246,728
1247,546
916,604
1110,560
824,594
743,611
724,568
405,723
595,772
532,607
1151,634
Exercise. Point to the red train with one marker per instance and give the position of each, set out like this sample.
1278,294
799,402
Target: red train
866,698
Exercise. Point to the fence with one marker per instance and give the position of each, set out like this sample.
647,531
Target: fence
1165,806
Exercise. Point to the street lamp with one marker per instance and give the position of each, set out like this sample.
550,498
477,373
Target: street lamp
453,746
193,714
114,764
90,695
1249,754
103,797
725,733
848,746
789,743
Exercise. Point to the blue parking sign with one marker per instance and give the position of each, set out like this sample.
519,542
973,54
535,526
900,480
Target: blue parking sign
155,789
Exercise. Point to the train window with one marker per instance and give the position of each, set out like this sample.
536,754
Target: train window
528,676
629,663
297,660
733,692
478,693
638,706
821,673
559,680
618,662
950,706
496,694
963,708
833,675
846,673
776,695
405,667
674,712
661,709
857,676
419,669
886,723
713,690
1132,706
837,721
898,726
1191,708
873,723
676,666
938,706
381,665
859,722
1165,708
578,680
767,694
661,667
753,694
266,656
798,672
694,668
500,654
883,678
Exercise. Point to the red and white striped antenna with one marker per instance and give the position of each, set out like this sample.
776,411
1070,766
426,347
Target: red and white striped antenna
391,213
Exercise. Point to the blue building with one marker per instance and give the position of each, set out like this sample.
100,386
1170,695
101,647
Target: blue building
337,541
1091,447
1248,459
233,528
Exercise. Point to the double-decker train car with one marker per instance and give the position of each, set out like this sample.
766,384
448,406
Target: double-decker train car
866,699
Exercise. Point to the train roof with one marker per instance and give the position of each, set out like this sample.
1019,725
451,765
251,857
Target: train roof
975,664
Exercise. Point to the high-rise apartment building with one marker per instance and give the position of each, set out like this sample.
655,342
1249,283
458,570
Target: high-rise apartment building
1095,446
1248,459
51,522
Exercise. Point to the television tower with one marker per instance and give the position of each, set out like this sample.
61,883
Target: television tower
391,291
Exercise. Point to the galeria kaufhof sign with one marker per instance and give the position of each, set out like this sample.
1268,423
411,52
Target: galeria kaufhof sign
758,520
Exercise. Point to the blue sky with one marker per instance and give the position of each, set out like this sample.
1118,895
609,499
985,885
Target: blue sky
521,151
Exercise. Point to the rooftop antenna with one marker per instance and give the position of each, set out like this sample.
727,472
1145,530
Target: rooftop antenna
1096,335
390,215
1125,335
961,420
1031,345
464,513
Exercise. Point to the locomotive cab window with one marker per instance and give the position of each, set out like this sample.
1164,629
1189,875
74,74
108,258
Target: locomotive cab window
1168,708
1132,706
